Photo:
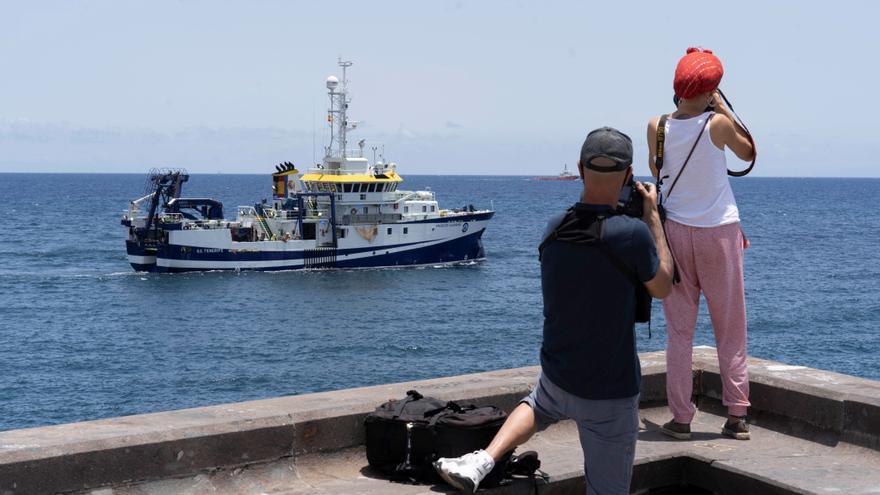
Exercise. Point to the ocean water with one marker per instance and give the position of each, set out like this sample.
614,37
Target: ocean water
83,337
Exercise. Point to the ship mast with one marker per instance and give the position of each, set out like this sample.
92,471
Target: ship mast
335,154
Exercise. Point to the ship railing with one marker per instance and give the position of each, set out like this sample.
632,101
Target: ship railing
287,214
171,218
211,224
247,211
403,196
371,218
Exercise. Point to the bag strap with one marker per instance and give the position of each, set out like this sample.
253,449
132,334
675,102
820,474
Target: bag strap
615,260
451,405
741,173
411,395
595,231
688,159
569,220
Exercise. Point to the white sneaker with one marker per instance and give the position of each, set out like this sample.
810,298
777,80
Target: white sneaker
465,472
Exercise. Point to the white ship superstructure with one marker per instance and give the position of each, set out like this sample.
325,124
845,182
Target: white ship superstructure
344,213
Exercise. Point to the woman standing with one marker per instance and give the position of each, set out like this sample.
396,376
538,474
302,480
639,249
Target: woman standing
705,238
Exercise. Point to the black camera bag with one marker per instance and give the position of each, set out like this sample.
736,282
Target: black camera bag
405,436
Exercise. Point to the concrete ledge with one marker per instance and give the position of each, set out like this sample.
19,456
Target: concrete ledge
182,444
843,404
176,443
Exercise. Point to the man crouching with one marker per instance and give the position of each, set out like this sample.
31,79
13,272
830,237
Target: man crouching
590,369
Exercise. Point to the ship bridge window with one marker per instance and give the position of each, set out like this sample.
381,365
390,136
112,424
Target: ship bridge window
424,208
406,209
332,187
432,207
346,188
372,187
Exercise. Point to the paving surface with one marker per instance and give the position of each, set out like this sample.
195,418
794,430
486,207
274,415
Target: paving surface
819,464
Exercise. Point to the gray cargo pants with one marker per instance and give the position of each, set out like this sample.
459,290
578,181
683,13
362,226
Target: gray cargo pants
607,428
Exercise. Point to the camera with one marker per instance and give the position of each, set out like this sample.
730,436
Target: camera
630,201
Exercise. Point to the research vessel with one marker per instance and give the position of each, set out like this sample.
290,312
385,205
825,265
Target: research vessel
345,212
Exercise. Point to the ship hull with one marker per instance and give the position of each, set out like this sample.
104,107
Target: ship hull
141,257
461,241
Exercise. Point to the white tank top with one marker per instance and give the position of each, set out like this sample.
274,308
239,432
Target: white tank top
702,197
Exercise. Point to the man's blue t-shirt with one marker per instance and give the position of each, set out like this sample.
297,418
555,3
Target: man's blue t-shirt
589,309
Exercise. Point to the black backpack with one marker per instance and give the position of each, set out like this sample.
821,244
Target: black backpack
586,228
405,436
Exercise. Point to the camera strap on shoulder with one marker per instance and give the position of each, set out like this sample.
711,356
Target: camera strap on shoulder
658,152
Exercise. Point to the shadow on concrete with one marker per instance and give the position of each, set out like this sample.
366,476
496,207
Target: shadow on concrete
652,433
369,472
692,476
516,484
779,424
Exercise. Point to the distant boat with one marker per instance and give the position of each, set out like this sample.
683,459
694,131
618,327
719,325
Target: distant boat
564,175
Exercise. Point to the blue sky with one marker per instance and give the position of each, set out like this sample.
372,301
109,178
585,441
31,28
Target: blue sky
457,87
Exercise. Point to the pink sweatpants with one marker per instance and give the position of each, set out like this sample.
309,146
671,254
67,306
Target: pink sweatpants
709,260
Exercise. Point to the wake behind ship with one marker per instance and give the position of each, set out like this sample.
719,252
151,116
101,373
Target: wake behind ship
344,213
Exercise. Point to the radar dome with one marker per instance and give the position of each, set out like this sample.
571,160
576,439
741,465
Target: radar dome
332,82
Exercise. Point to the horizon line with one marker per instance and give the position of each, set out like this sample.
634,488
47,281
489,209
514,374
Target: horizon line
427,175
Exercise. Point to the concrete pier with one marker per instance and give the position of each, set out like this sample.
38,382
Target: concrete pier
813,431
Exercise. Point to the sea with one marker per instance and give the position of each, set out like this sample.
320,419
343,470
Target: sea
83,336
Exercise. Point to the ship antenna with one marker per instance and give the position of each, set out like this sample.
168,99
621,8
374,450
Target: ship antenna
314,149
343,126
336,115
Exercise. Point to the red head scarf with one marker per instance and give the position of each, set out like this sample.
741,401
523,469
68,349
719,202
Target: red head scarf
697,72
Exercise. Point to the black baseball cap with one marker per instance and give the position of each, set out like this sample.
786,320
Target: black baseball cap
609,143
